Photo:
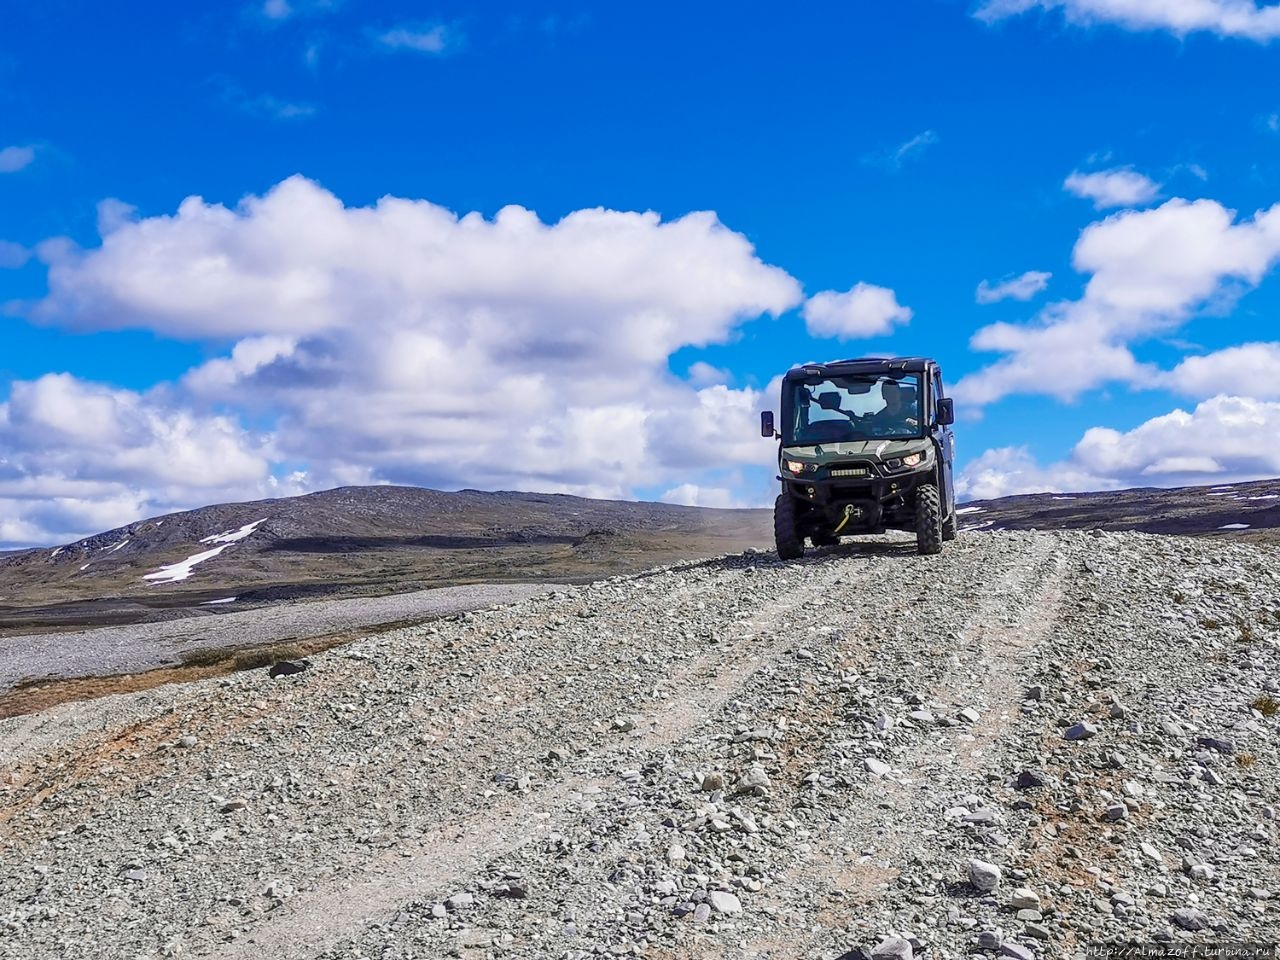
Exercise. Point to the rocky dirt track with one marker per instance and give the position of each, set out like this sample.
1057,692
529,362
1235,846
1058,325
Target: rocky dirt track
1033,742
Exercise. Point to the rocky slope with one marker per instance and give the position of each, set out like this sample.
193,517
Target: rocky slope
1030,743
350,542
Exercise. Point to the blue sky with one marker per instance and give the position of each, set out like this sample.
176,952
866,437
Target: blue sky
236,256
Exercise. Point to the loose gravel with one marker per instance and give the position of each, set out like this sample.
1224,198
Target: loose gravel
111,650
1033,742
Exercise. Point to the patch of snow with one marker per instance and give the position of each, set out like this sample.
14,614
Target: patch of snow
978,526
1064,498
84,568
1266,496
1234,526
117,546
182,569
968,509
55,553
231,536
1224,493
210,603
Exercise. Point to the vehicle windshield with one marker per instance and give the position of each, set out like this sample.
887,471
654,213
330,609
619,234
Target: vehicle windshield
840,409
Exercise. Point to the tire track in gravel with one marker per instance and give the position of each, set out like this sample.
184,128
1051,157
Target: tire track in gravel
696,691
900,813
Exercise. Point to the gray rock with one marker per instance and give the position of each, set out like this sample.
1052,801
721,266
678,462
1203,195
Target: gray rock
712,781
1016,950
892,948
877,768
460,901
984,876
724,903
969,715
990,939
1214,743
1080,731
755,782
1190,918
701,913
1031,779
1024,898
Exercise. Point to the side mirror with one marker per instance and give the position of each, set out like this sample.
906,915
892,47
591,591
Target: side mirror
946,411
766,424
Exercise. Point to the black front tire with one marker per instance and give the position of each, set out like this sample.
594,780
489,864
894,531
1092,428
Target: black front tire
928,519
789,543
950,526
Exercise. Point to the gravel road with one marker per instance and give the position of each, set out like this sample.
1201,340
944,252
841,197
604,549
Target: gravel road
1033,742
112,650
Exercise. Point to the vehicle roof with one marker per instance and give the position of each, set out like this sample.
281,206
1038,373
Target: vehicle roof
861,365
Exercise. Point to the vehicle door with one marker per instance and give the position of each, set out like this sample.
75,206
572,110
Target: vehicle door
946,444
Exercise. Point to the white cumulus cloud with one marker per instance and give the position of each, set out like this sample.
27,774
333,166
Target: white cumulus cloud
81,457
864,311
401,342
1150,271
1249,370
1229,18
1022,287
1113,188
1225,439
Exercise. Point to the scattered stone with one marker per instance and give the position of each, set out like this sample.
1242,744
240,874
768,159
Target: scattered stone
892,948
969,715
722,902
712,781
754,782
231,806
1024,898
1116,811
1080,731
877,768
1190,918
188,740
287,668
1031,779
984,876
1214,743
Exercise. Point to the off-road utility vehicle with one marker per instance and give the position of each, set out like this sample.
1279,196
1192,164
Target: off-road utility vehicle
866,446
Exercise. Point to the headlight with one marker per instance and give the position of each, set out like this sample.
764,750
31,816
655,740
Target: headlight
900,463
795,466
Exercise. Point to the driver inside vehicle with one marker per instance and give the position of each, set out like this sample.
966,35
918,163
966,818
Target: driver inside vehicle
899,414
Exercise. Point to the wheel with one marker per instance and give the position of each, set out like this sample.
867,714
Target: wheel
790,545
928,519
950,526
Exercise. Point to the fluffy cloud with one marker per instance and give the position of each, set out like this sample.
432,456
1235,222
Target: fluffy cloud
1229,18
81,457
864,311
1009,471
13,159
1022,287
1225,439
401,342
1250,369
1113,188
1150,271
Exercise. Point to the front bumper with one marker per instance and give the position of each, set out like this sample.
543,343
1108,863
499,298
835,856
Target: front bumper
874,499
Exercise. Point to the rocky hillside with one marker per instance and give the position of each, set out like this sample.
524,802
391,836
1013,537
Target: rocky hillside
352,541
1033,742
1249,511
